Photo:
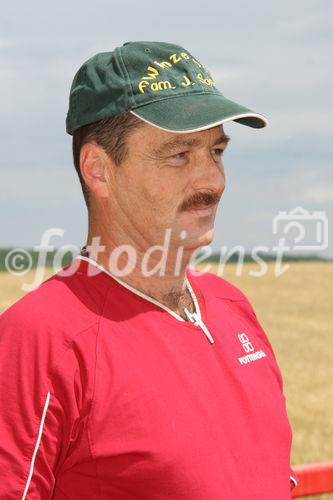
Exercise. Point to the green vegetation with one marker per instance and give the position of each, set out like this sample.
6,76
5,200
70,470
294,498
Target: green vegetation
29,258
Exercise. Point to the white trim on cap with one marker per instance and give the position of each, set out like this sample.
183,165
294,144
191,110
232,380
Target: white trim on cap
205,127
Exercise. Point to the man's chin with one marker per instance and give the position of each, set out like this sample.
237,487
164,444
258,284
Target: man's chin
201,239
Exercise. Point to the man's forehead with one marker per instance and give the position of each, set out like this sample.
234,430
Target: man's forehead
170,139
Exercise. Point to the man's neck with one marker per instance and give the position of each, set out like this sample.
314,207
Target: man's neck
165,285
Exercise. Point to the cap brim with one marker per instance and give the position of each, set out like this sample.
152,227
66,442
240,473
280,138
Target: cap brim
194,112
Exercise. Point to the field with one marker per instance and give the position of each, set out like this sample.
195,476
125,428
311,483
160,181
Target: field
295,309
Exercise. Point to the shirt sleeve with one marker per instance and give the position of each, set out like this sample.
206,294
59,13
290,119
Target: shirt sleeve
293,479
250,310
41,405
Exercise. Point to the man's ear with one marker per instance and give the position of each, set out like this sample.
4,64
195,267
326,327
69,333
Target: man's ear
93,166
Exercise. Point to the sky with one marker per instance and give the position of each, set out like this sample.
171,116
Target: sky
273,57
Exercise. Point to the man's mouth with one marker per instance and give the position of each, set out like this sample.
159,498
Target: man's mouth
203,210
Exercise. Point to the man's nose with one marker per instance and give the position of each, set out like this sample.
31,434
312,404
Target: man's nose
209,174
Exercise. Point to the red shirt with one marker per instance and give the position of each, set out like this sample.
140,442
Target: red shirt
107,395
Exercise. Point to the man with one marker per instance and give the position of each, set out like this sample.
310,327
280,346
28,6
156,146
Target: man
126,375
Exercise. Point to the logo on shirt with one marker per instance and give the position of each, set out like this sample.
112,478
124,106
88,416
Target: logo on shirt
249,350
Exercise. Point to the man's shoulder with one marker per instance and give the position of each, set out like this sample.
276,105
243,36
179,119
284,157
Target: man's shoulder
52,331
217,285
66,302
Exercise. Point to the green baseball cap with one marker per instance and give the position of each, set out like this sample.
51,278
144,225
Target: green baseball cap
161,83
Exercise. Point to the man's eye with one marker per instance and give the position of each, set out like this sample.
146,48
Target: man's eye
217,154
180,155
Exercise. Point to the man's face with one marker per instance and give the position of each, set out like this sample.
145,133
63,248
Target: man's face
169,181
